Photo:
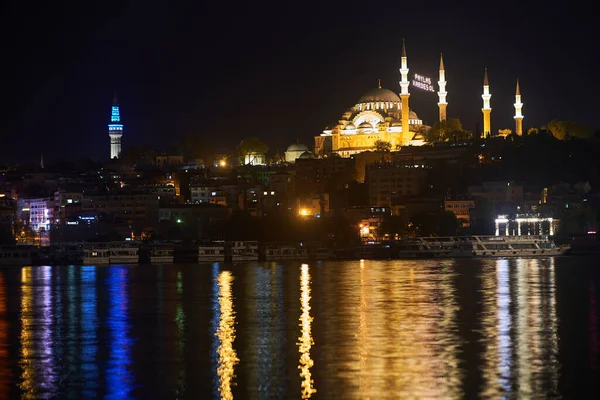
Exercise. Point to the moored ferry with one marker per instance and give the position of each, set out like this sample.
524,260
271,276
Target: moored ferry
479,246
161,253
212,251
96,254
124,252
18,255
285,251
242,250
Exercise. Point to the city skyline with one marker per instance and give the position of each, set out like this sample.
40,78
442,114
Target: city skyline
177,72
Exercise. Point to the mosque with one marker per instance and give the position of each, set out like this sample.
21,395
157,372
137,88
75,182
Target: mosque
379,115
382,115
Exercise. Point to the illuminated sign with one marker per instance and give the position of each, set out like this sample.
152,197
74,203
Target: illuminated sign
423,83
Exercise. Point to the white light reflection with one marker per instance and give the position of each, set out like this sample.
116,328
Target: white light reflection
504,324
305,339
226,335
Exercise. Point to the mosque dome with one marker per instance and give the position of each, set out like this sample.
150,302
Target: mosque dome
350,126
306,155
412,115
365,125
379,94
297,147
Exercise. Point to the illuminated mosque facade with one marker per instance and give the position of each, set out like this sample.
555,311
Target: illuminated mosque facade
379,115
382,115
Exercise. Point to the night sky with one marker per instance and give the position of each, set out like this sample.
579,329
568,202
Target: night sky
279,72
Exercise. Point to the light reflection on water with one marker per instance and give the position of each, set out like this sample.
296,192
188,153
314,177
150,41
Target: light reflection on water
398,332
265,318
305,341
226,335
352,330
5,372
118,374
520,333
27,364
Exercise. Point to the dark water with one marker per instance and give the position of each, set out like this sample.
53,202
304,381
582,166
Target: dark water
343,330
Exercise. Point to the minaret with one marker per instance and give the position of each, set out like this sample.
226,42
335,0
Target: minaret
518,115
42,161
487,110
404,95
115,129
442,93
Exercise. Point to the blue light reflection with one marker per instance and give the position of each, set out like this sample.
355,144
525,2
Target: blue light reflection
118,375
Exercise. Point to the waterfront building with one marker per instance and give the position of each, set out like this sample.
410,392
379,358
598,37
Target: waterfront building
462,210
41,214
498,192
208,195
389,183
126,211
166,161
66,205
312,175
525,224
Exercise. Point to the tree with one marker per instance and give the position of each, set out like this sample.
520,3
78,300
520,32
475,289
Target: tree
251,146
382,146
194,146
504,132
441,223
566,129
443,131
140,155
393,226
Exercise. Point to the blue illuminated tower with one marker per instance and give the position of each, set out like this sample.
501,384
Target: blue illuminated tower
115,129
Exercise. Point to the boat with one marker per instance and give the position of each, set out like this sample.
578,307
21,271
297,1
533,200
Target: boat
513,246
285,251
479,246
68,253
96,254
18,255
211,251
322,253
124,252
161,253
242,250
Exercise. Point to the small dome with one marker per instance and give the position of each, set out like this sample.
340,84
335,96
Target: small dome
306,155
365,125
350,126
297,147
412,115
379,94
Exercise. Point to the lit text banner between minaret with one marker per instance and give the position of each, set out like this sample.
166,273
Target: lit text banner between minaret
424,83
